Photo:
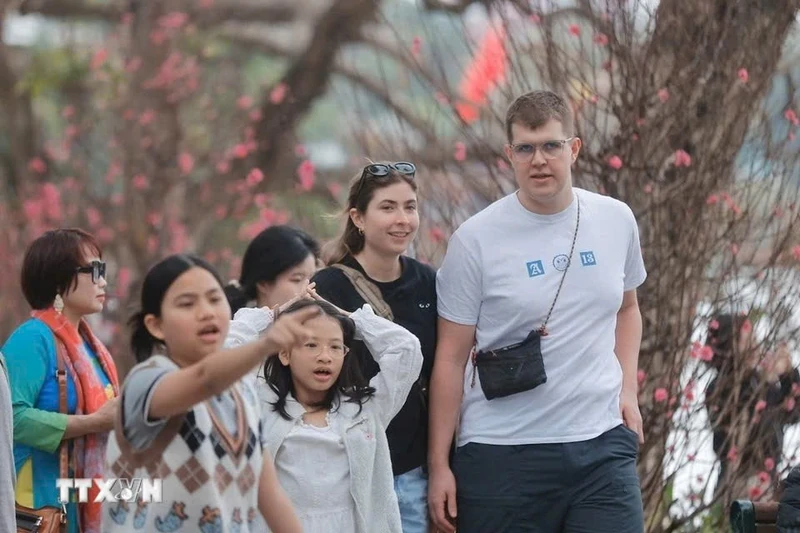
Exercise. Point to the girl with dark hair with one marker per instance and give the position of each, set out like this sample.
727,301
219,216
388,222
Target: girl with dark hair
325,424
54,355
276,267
367,265
746,402
189,418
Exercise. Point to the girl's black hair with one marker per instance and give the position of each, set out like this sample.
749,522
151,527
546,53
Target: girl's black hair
274,251
351,382
156,283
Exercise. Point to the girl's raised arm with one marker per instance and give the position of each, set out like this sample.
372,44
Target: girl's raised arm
399,355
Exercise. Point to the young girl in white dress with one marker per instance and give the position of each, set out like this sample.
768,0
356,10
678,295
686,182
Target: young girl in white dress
325,425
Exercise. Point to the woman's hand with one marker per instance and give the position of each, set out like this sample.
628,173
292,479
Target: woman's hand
306,293
104,417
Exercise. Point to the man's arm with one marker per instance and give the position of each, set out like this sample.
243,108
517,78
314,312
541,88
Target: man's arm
453,347
628,340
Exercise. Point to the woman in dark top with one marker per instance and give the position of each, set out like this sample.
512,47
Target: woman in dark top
747,403
382,220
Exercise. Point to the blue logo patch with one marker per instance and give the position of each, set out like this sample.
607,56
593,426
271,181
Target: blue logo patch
535,268
588,259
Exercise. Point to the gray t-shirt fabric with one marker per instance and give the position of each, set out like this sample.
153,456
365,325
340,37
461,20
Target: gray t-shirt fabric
137,392
7,471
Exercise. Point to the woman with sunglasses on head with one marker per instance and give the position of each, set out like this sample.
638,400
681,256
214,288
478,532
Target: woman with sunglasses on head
367,263
63,279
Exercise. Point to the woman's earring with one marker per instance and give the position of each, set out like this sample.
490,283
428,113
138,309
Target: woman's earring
58,304
361,231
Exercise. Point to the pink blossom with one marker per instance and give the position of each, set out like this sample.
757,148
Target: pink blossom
663,95
460,153
648,188
682,159
254,177
790,404
224,166
769,464
712,199
98,59
733,454
574,29
37,165
755,493
93,216
68,112
714,324
615,162
436,234
185,162
244,102
791,116
305,172
220,212
147,117
536,19
240,151
660,395
743,75
416,46
278,93
601,39
124,277
133,64
140,182
760,406
763,477
641,375
173,21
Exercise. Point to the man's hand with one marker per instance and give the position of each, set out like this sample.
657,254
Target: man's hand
629,409
442,498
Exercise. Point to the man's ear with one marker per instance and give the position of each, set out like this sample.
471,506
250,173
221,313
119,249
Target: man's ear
575,147
153,325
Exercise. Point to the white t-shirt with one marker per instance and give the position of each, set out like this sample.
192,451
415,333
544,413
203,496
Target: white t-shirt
501,273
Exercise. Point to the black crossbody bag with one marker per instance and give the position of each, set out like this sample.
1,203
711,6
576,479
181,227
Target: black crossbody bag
518,367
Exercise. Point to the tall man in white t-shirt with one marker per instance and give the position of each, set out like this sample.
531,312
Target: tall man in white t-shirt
555,448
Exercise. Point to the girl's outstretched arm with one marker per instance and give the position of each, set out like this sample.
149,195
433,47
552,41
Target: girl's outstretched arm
273,502
182,389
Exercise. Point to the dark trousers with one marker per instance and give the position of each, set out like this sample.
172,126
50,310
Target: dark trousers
576,487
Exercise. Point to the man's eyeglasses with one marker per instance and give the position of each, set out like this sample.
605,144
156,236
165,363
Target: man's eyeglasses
96,268
524,152
381,170
336,351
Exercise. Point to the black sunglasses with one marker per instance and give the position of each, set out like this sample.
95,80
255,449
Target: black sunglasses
96,268
381,170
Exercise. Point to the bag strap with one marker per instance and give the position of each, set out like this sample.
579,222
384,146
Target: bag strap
367,290
61,375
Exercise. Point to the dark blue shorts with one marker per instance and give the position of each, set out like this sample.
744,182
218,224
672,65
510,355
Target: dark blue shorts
575,487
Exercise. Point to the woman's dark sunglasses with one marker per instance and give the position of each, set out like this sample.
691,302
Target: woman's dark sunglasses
381,170
96,268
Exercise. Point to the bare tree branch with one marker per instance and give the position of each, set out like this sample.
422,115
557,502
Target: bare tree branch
308,77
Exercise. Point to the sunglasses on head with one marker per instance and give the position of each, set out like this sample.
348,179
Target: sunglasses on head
96,268
379,170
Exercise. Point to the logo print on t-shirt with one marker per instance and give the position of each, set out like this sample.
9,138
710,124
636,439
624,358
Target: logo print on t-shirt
588,259
561,262
535,268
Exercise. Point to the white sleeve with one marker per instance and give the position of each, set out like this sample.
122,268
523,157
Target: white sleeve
247,324
459,284
635,272
399,355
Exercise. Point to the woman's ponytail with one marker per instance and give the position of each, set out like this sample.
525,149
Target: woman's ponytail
236,296
143,344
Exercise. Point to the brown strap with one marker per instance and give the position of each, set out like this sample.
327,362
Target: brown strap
367,290
61,375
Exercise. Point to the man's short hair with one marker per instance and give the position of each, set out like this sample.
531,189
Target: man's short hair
534,109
